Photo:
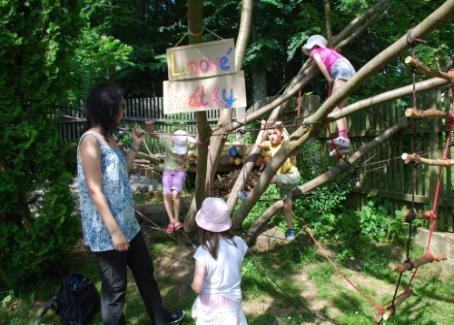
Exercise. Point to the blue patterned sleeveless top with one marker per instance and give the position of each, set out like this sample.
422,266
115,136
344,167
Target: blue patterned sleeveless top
116,189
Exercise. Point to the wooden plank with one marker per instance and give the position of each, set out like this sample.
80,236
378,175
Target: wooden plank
404,196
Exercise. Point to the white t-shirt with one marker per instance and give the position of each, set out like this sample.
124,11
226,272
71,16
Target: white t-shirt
222,276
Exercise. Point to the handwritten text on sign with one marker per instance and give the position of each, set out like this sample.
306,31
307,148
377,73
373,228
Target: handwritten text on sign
201,60
225,91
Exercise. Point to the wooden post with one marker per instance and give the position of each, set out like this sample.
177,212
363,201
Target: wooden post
414,157
426,259
391,310
428,113
418,65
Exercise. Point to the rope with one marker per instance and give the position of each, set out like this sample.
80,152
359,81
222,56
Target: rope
433,211
212,33
321,249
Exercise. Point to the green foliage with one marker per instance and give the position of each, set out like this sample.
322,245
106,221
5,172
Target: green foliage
98,57
376,224
36,225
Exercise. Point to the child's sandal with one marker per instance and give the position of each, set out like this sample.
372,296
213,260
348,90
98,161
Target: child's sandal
178,225
170,228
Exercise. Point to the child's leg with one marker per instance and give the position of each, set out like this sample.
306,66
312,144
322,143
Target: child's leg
166,190
169,207
176,205
288,212
177,187
342,125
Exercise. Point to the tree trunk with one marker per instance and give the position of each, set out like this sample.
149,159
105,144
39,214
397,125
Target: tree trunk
329,34
195,16
302,134
217,142
140,9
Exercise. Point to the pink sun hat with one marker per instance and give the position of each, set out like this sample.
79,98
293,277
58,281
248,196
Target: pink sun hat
214,215
180,142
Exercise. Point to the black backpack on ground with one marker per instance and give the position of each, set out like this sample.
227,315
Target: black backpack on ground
76,302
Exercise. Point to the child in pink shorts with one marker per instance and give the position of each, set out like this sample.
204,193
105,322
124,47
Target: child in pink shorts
176,149
337,70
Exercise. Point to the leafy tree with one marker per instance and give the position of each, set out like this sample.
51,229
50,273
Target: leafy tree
36,223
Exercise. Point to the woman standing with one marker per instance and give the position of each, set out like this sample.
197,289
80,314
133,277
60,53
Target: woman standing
109,225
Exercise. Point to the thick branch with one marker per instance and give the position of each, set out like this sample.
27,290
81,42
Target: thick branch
329,34
428,113
414,157
386,96
426,215
324,178
418,65
243,33
195,16
391,310
426,259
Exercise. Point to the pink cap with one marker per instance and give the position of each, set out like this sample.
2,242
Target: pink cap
180,142
214,215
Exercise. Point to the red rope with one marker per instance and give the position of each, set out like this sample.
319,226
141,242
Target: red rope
320,248
433,212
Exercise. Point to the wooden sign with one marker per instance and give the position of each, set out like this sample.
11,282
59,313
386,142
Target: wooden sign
201,60
221,92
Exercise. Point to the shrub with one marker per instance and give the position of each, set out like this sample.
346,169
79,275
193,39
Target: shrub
36,225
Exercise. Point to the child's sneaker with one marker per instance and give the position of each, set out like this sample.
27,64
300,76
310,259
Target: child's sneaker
176,317
340,142
334,153
290,234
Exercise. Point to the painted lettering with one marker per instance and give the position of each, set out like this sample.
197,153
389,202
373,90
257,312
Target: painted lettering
194,98
193,67
172,64
229,101
215,97
204,66
202,96
224,63
214,65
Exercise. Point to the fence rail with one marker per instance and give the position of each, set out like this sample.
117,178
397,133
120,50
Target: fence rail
71,121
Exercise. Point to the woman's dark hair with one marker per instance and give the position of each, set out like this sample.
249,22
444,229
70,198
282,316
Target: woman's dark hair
210,240
102,107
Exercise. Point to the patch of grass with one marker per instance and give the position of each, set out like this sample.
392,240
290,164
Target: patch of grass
270,284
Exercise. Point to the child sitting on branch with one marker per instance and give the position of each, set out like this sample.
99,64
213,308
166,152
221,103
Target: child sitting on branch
337,70
287,176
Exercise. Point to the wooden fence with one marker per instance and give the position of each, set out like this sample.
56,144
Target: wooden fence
381,172
71,119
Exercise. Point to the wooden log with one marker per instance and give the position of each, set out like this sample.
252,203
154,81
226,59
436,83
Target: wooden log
418,65
414,157
391,310
410,216
425,259
428,113
426,215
